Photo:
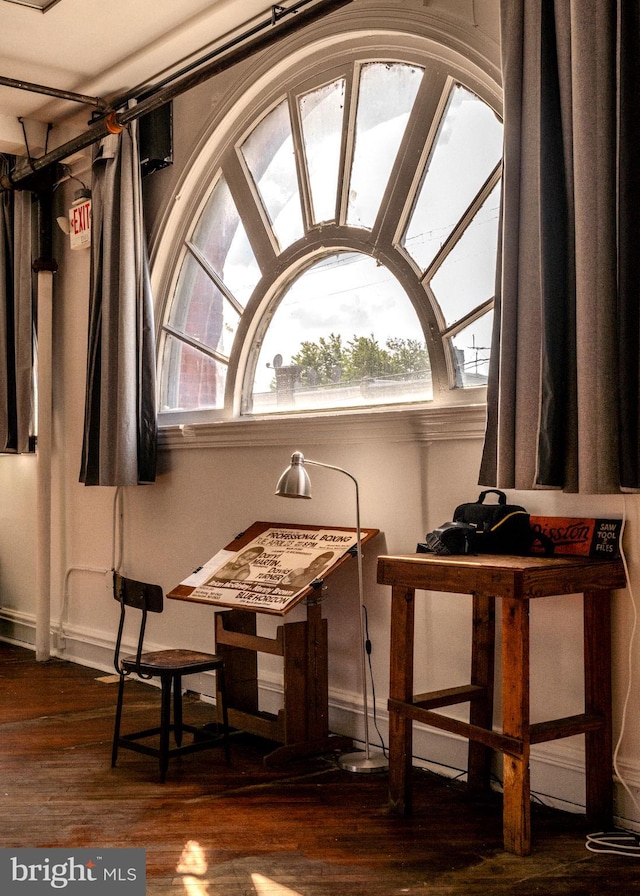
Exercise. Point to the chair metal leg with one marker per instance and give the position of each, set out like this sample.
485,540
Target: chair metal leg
165,725
116,728
177,708
171,719
222,695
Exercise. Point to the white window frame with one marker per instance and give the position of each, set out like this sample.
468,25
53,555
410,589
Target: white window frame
462,414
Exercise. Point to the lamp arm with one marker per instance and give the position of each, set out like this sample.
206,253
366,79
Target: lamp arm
363,660
317,463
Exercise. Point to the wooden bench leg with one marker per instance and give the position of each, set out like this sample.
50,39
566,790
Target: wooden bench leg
401,688
597,688
515,723
482,674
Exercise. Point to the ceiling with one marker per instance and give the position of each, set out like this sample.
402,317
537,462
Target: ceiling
102,49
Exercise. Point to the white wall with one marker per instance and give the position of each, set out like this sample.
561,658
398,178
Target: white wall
205,496
18,535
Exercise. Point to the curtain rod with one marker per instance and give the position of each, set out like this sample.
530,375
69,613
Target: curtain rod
115,121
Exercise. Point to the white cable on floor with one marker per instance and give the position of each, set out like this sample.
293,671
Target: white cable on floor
617,843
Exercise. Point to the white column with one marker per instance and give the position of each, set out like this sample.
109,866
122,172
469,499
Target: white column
43,499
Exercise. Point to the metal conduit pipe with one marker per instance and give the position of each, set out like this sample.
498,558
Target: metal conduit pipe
43,475
233,53
55,92
45,267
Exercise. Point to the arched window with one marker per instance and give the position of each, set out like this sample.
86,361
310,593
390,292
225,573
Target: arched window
342,251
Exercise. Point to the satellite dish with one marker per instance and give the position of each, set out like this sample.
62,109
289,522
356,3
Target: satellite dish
277,361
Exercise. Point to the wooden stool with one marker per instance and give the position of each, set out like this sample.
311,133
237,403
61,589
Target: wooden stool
516,580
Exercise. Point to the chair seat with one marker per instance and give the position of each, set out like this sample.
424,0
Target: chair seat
186,662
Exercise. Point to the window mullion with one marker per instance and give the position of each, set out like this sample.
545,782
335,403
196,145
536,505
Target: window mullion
209,271
416,145
301,163
195,343
469,318
251,211
463,223
348,142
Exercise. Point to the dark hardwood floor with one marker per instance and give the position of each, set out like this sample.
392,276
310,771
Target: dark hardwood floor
307,828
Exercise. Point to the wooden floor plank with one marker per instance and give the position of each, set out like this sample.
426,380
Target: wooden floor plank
308,828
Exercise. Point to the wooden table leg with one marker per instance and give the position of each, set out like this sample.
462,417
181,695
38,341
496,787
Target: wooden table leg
597,687
306,691
482,674
401,688
515,724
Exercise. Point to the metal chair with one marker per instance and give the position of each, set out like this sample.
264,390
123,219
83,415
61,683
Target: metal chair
169,666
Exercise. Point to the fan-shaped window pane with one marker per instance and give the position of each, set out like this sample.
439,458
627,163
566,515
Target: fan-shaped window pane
321,114
201,311
269,154
344,334
467,149
222,240
471,348
190,379
466,278
385,99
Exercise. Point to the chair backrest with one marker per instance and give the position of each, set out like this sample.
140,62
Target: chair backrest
140,596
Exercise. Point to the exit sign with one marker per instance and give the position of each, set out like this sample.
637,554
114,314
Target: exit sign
80,224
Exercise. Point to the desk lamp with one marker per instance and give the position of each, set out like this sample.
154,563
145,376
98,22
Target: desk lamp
295,483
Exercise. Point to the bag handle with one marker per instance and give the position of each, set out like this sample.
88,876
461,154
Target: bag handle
502,498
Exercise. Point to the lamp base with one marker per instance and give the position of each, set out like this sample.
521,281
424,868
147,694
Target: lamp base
360,762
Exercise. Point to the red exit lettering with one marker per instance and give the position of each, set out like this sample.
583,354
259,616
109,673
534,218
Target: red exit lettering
80,217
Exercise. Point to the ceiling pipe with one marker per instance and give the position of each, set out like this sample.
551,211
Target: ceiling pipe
142,91
53,91
114,122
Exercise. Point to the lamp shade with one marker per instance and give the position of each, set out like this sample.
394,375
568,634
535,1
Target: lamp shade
294,482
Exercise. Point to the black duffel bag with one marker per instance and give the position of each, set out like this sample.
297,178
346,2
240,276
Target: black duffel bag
497,527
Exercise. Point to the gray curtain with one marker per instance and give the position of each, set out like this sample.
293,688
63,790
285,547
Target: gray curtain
564,383
16,319
120,433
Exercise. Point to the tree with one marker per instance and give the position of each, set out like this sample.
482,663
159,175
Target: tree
365,359
329,361
322,361
408,355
